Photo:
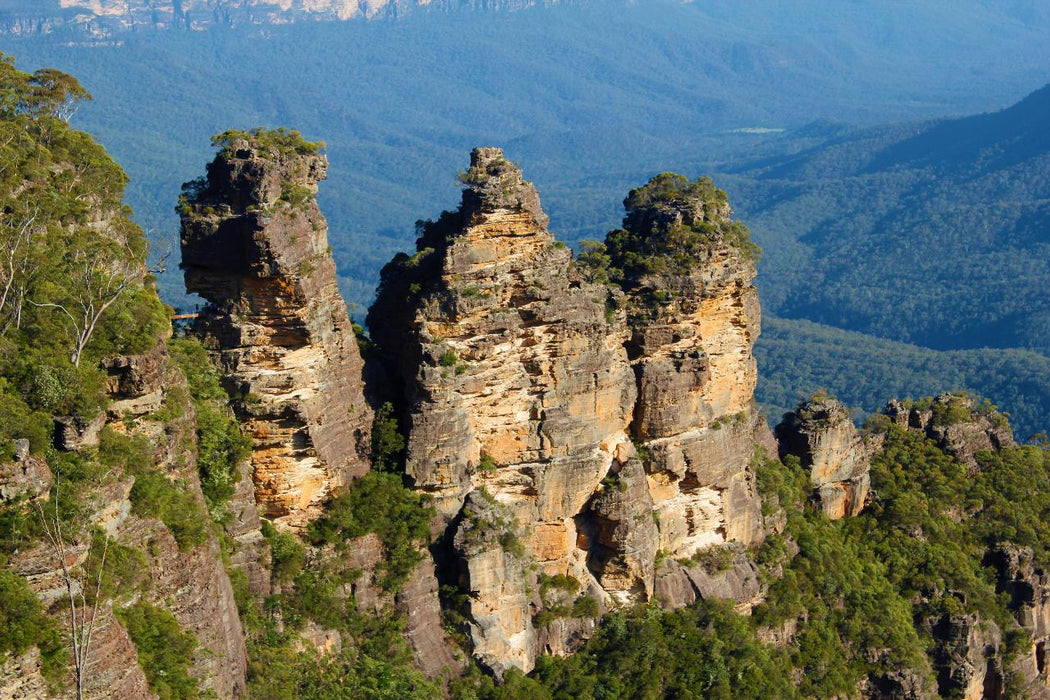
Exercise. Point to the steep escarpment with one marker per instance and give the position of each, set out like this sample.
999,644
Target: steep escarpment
603,422
108,18
254,244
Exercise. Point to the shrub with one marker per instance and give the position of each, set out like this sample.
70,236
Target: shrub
380,503
448,358
165,652
156,496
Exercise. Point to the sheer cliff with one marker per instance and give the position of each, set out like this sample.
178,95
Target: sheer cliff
254,244
597,420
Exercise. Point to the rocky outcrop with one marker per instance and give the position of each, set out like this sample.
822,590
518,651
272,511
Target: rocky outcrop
686,270
1028,587
135,383
28,476
418,601
190,582
254,244
525,372
959,425
820,432
966,656
499,588
720,573
515,379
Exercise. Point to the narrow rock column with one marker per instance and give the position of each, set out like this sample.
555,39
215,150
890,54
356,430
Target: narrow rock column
255,245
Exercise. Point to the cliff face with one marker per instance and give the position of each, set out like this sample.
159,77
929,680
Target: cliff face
255,245
108,18
525,374
820,432
190,582
687,273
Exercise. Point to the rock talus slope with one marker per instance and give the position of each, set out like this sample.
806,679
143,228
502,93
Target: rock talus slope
255,245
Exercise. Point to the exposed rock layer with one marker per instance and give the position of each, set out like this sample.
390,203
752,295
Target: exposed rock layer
820,432
524,375
255,245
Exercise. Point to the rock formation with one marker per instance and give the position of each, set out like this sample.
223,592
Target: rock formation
190,582
1028,587
254,244
820,432
525,373
687,270
958,424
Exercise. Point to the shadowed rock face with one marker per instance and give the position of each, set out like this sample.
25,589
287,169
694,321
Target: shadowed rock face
524,375
820,432
255,245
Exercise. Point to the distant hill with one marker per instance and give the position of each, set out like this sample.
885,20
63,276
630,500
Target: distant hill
933,233
797,358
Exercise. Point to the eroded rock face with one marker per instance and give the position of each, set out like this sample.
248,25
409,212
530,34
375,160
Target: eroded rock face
1028,588
820,432
525,373
957,423
687,270
499,588
514,378
966,656
255,245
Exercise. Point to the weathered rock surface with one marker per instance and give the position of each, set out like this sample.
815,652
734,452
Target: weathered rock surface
1028,588
734,577
192,583
514,378
135,383
522,377
957,423
28,476
687,272
622,536
418,601
255,245
966,656
820,432
499,589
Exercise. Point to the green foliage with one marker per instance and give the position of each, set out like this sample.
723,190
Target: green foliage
156,496
165,652
279,142
706,650
388,444
287,554
487,463
221,445
125,570
279,673
448,358
794,356
23,622
380,503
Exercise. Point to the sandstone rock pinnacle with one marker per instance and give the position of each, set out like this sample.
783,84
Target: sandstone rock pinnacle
254,244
